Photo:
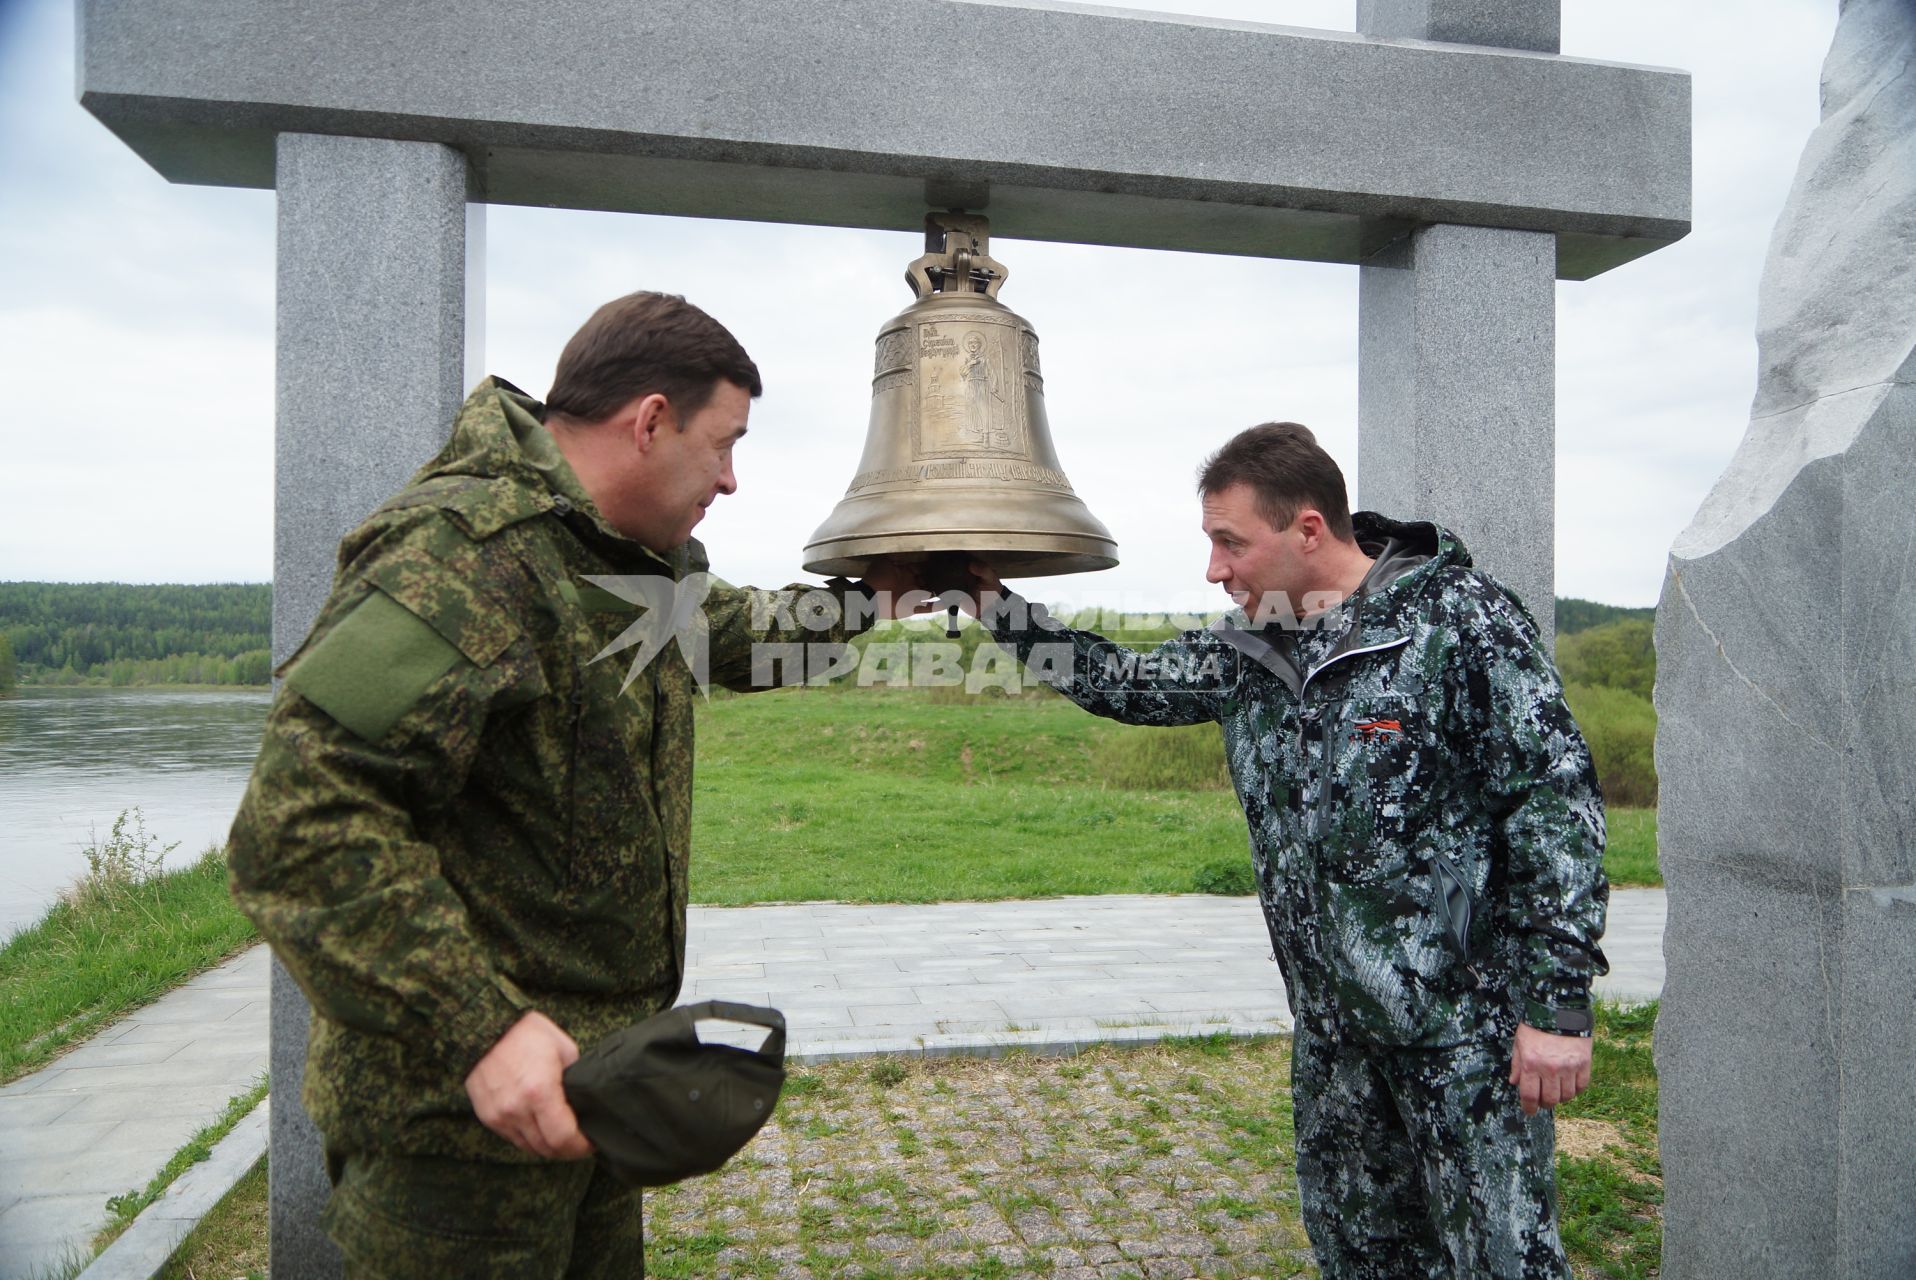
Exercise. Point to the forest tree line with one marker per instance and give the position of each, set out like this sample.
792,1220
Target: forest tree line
1609,665
117,633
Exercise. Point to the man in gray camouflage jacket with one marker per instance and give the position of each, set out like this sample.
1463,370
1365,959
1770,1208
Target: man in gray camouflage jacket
1427,836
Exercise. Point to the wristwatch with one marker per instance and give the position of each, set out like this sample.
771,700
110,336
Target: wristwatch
1562,1020
1574,1022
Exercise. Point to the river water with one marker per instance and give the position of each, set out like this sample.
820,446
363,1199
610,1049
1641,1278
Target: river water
72,759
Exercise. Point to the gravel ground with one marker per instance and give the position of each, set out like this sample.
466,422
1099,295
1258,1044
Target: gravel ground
1166,1161
1163,1162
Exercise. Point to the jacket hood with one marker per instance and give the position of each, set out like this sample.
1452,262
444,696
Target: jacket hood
500,435
1409,554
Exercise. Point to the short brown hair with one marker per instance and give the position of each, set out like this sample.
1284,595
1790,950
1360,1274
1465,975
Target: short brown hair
646,343
1287,470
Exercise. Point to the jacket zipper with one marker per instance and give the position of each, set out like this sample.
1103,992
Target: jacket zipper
1308,715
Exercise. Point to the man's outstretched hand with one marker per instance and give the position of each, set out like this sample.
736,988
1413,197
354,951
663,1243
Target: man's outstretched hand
916,584
517,1089
984,580
896,584
1547,1068
967,583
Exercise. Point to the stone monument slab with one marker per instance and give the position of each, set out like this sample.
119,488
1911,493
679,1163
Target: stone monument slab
1786,655
377,344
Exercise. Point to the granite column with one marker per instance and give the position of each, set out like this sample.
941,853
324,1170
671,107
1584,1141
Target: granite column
1456,362
379,315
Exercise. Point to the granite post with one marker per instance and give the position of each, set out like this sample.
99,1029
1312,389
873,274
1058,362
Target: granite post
1786,743
1456,351
378,254
1503,24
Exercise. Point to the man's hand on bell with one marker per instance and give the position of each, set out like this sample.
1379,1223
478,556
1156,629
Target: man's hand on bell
897,584
984,579
1548,1068
973,585
518,1090
914,584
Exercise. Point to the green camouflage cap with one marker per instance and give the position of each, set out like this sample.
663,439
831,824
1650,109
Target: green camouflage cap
662,1105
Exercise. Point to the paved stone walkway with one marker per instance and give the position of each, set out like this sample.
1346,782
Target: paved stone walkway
102,1120
1053,973
1047,973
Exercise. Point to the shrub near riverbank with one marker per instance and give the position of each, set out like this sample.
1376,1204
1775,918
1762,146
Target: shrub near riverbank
130,931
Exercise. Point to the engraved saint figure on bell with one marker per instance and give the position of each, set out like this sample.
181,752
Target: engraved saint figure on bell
984,421
965,404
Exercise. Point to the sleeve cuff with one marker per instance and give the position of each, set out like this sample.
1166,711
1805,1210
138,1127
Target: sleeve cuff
1562,1019
496,1004
865,611
1017,618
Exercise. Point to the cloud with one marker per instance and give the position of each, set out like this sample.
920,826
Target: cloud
118,468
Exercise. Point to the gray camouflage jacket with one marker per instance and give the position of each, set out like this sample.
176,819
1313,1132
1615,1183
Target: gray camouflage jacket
1425,824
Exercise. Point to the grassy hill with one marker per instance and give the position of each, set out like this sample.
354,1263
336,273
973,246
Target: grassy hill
921,795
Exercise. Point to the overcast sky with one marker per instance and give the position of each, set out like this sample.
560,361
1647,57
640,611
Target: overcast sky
136,335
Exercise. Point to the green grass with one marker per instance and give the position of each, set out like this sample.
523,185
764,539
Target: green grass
1631,856
1610,1191
120,941
229,1241
921,795
906,796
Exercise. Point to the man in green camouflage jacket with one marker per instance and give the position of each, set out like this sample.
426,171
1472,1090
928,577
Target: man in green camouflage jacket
466,837
1427,837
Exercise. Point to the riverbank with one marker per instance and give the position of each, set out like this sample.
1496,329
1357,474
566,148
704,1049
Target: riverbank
77,757
123,938
27,685
1115,809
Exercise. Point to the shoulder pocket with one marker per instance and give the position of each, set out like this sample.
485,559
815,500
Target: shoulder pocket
372,666
448,601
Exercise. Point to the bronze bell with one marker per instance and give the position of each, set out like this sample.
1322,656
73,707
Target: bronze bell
958,456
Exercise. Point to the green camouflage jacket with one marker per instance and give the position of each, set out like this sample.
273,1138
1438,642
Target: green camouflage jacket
1425,823
457,814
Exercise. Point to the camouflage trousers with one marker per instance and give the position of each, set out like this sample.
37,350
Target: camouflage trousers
1415,1163
399,1217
